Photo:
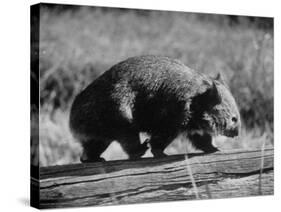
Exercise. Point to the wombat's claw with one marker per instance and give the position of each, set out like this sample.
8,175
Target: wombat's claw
158,154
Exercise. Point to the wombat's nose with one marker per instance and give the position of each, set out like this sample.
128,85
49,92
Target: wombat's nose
234,119
235,124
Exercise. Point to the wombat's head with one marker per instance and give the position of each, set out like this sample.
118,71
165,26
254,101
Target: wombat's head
218,111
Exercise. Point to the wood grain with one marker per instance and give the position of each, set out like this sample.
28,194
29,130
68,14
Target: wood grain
220,175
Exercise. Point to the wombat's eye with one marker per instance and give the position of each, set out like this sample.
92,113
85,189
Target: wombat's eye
234,119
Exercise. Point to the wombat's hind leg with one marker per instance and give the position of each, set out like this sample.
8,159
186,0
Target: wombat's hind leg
203,142
159,144
92,150
132,146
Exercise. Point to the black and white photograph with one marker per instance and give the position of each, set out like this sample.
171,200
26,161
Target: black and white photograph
139,106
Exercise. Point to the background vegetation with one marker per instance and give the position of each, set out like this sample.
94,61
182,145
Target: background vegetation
77,44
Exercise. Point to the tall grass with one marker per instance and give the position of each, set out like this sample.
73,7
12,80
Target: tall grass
261,168
76,46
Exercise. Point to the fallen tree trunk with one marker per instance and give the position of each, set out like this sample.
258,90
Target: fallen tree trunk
219,175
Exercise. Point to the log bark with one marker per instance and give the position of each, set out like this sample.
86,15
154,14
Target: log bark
219,175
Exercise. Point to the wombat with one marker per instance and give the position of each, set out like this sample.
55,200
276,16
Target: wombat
157,95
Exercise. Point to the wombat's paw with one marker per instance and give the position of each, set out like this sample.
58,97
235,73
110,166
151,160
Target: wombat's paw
145,145
211,149
84,159
142,150
139,152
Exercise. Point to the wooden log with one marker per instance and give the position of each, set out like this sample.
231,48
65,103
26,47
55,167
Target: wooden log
219,175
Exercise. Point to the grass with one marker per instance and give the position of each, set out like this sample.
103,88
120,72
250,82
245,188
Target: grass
77,45
193,182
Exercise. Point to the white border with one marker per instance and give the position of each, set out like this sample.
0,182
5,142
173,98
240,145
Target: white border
14,90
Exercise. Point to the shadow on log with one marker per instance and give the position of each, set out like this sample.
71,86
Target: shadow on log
219,175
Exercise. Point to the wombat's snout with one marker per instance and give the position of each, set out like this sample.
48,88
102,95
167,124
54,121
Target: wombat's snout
234,127
234,130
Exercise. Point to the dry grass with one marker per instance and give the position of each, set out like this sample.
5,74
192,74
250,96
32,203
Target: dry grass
76,46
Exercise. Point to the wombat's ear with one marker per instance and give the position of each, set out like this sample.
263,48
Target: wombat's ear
220,78
212,96
206,100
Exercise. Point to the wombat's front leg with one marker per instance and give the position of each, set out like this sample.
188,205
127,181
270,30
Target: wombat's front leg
203,142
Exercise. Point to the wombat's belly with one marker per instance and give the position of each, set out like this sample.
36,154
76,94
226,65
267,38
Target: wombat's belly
158,115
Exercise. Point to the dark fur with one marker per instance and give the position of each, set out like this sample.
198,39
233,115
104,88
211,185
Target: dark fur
156,95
